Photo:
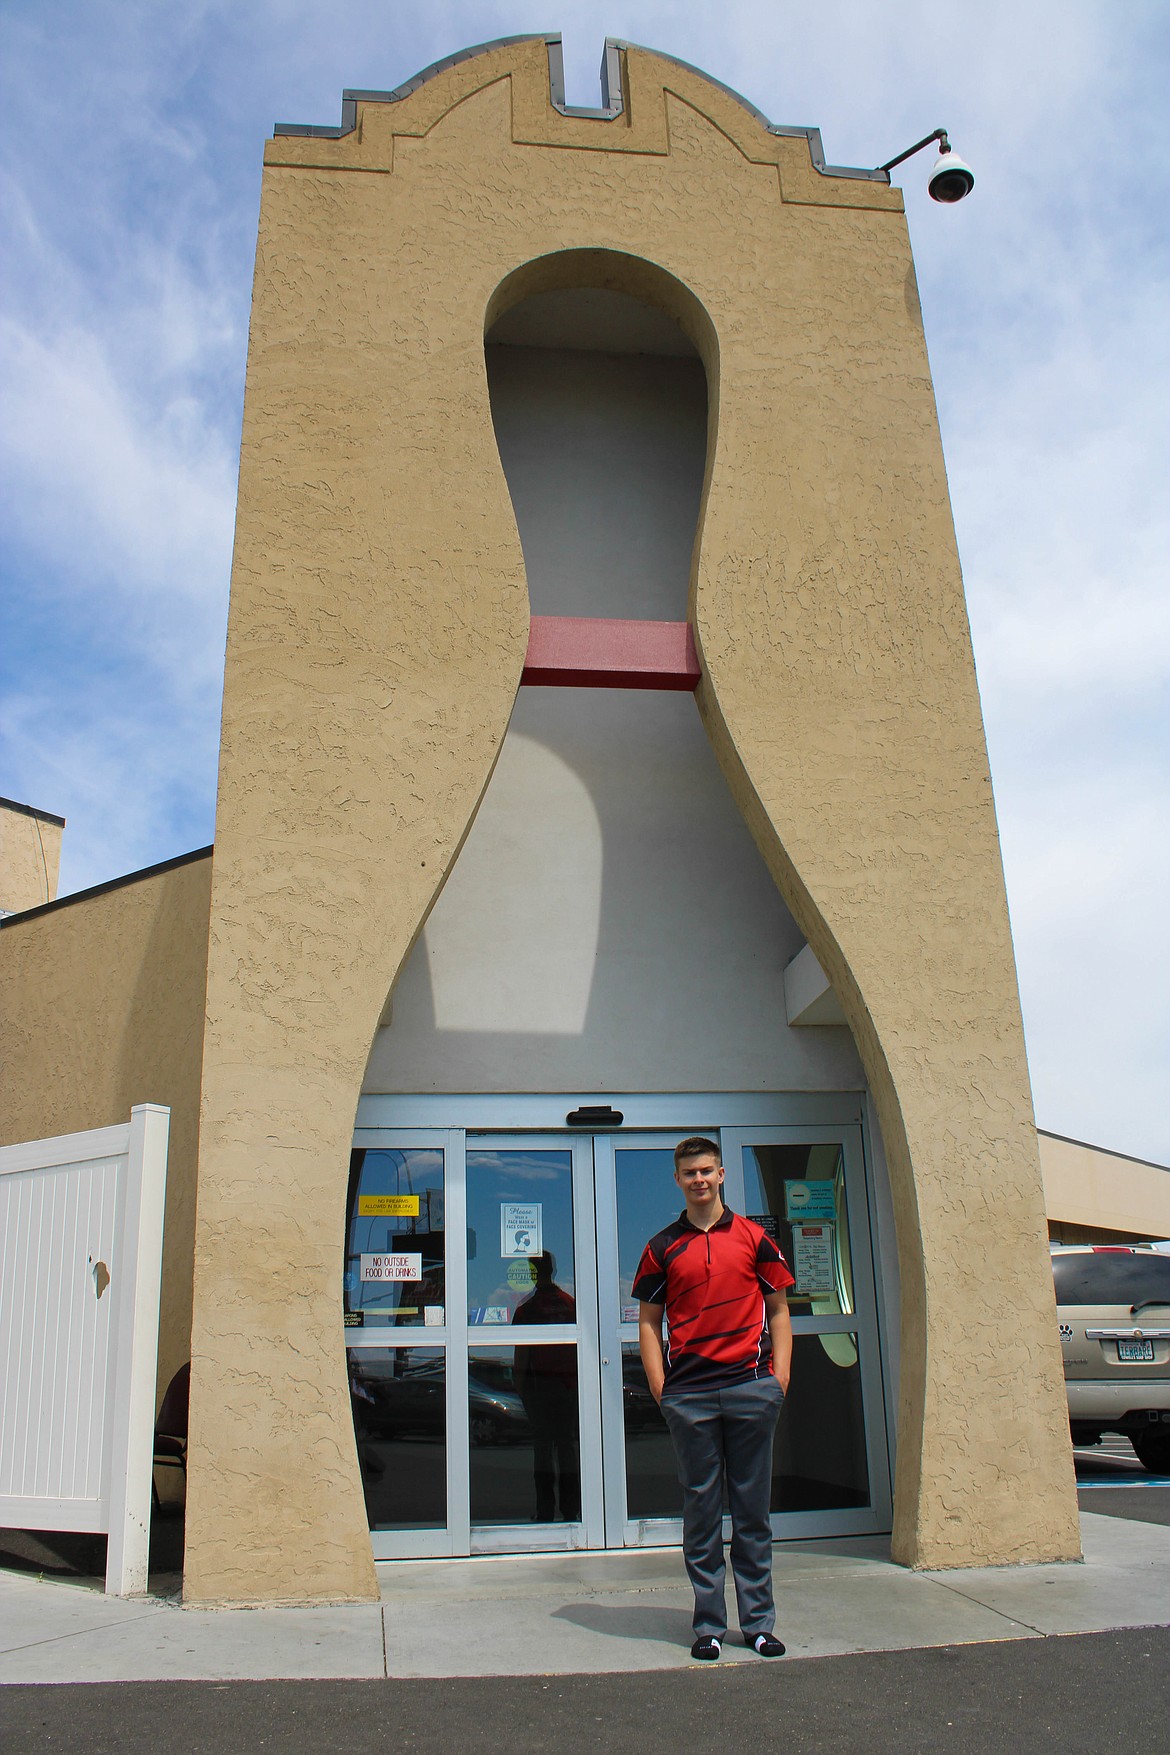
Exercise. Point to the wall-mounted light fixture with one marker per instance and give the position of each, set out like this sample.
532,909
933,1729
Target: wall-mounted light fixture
951,177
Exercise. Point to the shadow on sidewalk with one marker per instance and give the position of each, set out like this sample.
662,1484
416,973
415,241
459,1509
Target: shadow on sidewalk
81,1558
664,1626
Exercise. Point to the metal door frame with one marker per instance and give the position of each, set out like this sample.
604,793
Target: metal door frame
437,1543
498,1121
863,1323
620,1530
589,1533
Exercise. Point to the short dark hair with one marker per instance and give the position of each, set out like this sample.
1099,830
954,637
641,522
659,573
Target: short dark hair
696,1145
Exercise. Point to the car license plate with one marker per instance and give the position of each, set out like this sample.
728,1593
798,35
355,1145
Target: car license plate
1136,1352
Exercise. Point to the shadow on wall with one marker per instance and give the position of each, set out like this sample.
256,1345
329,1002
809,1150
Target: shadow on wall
160,1060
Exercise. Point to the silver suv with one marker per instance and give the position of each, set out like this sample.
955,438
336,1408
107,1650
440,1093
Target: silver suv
1113,1305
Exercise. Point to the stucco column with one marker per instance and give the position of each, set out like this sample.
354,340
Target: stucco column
841,697
377,631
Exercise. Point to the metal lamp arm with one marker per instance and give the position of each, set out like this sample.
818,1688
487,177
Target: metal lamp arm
944,145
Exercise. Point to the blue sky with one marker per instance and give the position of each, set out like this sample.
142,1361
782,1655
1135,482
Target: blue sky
133,132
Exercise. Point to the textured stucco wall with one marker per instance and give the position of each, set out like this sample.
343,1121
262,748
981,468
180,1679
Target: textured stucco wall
1096,1190
101,1007
30,857
376,637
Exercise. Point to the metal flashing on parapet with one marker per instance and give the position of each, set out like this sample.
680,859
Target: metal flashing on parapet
30,810
19,916
612,98
812,135
351,99
611,80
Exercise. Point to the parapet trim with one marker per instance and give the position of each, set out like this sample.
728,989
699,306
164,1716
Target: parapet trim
612,98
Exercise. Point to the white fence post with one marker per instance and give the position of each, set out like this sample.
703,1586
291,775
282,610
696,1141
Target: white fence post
136,1358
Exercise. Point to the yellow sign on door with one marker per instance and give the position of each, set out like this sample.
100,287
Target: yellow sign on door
398,1206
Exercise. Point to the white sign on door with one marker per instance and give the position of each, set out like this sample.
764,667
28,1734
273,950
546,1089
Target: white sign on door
812,1259
391,1267
520,1229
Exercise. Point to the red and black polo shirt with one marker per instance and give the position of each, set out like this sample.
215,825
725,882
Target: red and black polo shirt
713,1284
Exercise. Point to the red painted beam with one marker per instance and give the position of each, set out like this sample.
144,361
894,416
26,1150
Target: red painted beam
580,652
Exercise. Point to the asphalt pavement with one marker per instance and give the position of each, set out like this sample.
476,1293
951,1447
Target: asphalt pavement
1112,1483
1137,1504
1096,1694
586,1652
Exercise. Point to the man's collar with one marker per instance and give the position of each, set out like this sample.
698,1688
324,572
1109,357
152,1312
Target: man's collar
722,1223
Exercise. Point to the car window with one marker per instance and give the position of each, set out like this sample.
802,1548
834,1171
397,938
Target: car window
1110,1278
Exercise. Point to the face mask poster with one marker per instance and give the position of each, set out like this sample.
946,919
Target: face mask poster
520,1227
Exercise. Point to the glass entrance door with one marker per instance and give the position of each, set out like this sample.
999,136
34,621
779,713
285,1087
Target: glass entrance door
498,1396
806,1186
471,1340
534,1469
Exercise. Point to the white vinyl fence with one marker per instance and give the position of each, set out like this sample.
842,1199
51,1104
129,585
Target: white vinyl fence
81,1223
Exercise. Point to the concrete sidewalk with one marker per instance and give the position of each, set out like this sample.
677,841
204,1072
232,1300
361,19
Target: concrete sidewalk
579,1614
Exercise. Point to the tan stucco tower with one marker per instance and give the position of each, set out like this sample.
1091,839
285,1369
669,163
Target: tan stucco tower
378,628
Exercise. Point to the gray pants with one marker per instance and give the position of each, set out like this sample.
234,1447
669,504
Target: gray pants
726,1435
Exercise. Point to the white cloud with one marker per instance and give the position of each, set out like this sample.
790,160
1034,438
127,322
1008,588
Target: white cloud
145,485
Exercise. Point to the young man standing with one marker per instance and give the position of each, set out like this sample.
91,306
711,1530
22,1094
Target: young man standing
720,1381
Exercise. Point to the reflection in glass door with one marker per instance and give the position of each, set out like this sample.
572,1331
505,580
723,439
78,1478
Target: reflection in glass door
532,1392
498,1397
395,1298
470,1318
798,1191
806,1186
636,1196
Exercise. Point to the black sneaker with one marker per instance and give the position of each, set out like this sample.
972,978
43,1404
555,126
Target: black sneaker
765,1644
706,1648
